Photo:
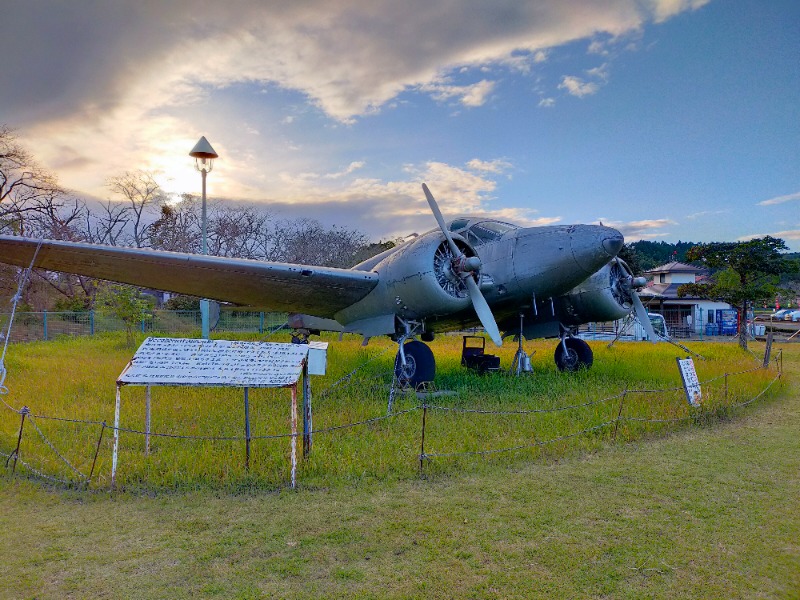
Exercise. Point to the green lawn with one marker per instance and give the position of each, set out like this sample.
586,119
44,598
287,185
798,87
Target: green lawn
707,511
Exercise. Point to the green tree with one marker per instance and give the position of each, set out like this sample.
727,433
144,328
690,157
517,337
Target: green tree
744,272
128,304
632,258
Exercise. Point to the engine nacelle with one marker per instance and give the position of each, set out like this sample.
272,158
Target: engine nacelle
418,280
602,297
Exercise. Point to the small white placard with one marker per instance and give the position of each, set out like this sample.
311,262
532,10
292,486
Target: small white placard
182,361
691,384
317,358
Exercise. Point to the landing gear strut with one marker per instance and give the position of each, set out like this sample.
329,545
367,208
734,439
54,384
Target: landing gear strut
521,362
419,367
414,363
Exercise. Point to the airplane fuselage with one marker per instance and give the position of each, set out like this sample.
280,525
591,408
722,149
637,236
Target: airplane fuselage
521,268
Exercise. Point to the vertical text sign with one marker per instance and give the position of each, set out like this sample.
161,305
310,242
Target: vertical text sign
691,384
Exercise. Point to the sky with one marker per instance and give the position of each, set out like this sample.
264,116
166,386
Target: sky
667,119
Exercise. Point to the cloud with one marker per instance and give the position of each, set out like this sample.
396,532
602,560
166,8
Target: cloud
791,234
469,95
780,199
640,230
664,9
598,47
134,84
353,166
576,86
497,166
348,58
547,102
706,213
387,209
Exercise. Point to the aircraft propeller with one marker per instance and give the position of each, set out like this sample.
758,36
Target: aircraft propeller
464,267
629,284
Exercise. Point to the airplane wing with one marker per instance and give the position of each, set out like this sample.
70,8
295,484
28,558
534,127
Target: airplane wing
319,291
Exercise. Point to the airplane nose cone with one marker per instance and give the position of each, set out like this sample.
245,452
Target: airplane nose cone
613,243
594,245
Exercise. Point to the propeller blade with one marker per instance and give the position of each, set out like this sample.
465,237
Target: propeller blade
641,311
483,311
641,314
440,220
478,301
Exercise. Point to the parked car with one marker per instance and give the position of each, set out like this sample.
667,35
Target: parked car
778,315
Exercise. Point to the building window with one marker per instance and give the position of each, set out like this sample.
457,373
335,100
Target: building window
662,278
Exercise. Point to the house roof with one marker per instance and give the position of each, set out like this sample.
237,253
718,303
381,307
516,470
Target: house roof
675,267
665,290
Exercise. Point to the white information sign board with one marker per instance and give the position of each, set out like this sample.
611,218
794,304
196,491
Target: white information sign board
197,362
691,384
224,363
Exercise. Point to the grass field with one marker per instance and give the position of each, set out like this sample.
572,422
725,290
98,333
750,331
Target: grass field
707,508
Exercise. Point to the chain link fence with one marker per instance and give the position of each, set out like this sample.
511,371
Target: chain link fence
38,326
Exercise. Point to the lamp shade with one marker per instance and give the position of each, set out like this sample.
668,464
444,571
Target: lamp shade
203,149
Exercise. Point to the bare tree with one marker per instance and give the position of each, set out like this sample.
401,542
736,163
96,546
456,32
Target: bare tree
178,227
309,242
143,195
24,186
234,230
56,217
107,227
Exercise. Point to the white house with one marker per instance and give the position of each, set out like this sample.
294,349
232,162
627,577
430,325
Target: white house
684,316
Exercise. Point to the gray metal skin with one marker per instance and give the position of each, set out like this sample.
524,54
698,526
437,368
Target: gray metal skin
555,275
564,269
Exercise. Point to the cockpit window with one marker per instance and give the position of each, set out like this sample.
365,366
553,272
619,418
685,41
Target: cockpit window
458,224
487,231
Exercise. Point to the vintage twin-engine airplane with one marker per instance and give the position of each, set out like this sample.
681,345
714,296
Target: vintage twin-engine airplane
534,281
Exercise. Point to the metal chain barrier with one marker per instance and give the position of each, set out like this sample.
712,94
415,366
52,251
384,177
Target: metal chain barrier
615,421
423,456
32,421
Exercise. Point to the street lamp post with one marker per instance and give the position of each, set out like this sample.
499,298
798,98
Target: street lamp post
204,156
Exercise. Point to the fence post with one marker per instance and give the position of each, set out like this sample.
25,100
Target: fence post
422,443
261,323
91,322
307,416
147,415
96,452
247,429
619,413
15,454
44,324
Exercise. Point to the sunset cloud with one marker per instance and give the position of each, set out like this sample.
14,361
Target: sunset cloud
354,103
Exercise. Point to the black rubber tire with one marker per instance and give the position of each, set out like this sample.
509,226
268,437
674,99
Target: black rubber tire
420,364
578,356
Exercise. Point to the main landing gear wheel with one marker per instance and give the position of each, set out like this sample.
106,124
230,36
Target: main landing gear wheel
578,355
420,365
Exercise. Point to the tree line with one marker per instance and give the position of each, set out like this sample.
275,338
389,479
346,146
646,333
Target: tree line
138,213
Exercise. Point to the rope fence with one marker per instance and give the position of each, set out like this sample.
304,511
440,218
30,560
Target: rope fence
73,461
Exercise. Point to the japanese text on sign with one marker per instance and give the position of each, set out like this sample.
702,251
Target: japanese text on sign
691,384
180,361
